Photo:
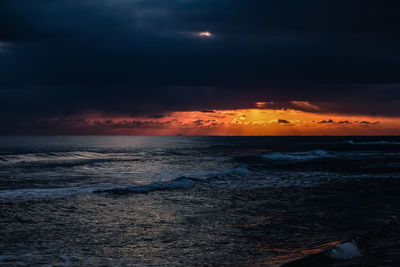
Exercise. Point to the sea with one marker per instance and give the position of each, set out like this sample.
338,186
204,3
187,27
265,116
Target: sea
199,201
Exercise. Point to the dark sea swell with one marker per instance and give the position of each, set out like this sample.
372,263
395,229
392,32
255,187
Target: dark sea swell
199,200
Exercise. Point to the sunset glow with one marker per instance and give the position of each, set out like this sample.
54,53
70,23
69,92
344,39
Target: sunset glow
206,133
205,34
245,122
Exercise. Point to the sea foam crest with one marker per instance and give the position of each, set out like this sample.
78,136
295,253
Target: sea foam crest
344,251
54,158
50,157
179,183
292,156
53,193
373,143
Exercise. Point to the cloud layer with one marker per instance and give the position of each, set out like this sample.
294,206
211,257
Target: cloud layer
135,57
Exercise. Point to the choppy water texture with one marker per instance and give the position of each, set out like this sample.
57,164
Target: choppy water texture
257,201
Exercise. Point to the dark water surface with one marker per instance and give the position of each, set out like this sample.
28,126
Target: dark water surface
253,201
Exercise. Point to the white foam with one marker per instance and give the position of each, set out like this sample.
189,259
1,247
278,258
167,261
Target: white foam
55,157
297,156
54,193
179,183
344,251
373,143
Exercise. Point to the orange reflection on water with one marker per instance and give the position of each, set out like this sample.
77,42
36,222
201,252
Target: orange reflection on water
289,255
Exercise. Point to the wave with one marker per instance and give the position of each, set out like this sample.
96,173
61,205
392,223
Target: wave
372,143
183,182
63,192
55,158
297,156
344,251
179,183
326,255
43,193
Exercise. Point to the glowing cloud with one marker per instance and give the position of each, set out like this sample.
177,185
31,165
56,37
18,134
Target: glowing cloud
232,122
205,34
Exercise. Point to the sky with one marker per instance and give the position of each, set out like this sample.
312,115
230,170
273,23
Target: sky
200,67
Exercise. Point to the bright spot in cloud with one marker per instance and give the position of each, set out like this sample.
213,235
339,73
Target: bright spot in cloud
205,34
261,104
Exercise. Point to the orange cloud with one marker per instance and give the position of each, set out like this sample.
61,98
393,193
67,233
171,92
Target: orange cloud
242,122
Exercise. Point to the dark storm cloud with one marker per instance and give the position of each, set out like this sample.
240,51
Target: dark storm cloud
330,121
327,121
283,121
143,57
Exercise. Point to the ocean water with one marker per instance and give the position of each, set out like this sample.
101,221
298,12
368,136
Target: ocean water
193,201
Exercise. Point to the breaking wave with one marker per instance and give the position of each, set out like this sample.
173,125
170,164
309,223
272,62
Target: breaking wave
56,158
64,192
321,256
179,183
372,143
42,193
344,251
297,156
183,182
